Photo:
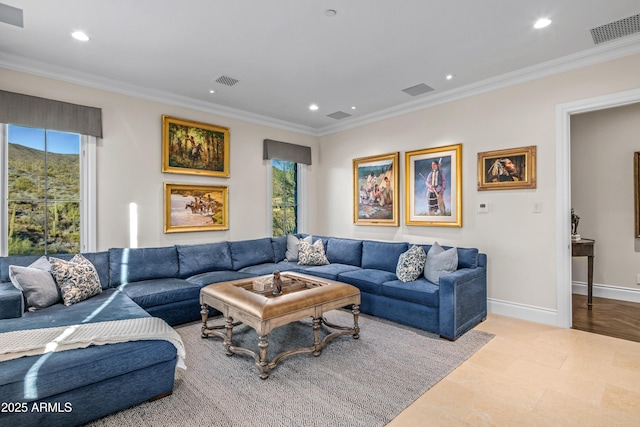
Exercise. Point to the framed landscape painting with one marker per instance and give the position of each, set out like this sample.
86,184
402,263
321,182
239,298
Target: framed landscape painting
434,186
189,207
510,169
194,148
375,195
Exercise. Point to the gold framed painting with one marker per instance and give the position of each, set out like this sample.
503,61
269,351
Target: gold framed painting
433,186
195,148
375,195
189,207
510,169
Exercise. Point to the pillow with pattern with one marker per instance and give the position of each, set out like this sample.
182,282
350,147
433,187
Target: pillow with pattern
36,283
411,264
312,254
77,279
293,244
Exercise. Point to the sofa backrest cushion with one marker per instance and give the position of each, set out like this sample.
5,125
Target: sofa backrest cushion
20,260
344,251
251,252
279,247
382,255
133,265
203,258
100,261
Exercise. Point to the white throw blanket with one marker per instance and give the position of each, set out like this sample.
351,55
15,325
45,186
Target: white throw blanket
32,342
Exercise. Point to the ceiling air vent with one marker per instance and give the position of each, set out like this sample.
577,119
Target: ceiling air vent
11,15
339,115
616,30
417,89
226,80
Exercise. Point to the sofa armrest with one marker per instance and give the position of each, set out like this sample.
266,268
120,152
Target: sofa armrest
463,301
11,301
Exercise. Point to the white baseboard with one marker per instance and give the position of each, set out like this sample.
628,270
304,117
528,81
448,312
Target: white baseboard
607,291
522,311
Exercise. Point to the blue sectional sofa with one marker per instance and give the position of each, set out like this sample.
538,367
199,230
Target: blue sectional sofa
165,282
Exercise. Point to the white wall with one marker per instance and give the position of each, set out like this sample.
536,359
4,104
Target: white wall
129,160
520,244
602,192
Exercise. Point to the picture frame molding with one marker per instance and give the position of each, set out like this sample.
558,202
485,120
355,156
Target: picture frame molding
636,191
166,147
455,183
530,179
395,209
171,228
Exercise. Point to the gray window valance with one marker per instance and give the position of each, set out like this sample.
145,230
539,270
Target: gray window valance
286,151
31,111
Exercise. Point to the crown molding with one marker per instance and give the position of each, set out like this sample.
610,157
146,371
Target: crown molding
610,51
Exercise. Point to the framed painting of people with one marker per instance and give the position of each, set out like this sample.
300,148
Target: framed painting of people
510,169
433,186
375,195
189,207
190,147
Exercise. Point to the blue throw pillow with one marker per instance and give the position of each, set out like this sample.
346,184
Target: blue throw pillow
411,264
440,262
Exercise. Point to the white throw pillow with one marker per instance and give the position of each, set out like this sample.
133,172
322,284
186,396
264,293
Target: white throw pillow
292,247
440,262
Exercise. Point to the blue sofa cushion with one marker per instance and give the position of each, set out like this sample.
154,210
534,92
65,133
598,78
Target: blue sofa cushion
211,277
21,260
109,305
420,291
344,251
467,257
279,247
133,265
270,267
251,252
382,255
367,280
329,271
150,293
196,259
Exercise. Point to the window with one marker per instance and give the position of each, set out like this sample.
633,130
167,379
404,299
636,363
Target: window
284,197
47,191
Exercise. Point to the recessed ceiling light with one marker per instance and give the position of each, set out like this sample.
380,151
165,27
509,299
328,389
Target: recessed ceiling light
313,107
353,108
330,13
541,23
80,35
212,91
449,76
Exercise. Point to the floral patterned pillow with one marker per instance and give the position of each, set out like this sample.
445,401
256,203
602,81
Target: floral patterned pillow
77,279
411,264
312,254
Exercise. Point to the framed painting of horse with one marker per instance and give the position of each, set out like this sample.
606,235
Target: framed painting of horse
189,207
194,148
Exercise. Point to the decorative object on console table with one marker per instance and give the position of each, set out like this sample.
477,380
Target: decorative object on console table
434,186
194,148
586,247
636,187
575,220
375,192
195,208
510,169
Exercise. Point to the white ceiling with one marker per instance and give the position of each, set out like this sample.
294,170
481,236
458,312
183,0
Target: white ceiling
287,54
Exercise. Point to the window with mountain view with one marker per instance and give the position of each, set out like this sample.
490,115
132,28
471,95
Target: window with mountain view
284,197
43,191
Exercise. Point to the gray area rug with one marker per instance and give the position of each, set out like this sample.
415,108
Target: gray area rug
364,382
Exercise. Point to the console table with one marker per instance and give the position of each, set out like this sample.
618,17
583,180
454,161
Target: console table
585,247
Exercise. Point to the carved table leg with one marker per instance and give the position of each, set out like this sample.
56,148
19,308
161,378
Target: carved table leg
356,329
263,364
204,312
227,339
317,322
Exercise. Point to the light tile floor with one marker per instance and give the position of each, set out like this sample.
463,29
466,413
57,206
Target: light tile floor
532,374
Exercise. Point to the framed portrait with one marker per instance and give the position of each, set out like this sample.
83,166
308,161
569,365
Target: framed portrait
434,186
194,148
510,169
636,189
375,195
189,207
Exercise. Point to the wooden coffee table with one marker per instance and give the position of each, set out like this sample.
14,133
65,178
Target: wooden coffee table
302,296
